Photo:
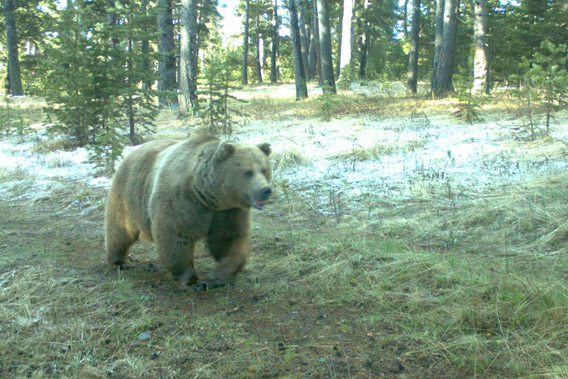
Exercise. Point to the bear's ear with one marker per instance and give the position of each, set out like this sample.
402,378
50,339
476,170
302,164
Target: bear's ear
224,151
265,148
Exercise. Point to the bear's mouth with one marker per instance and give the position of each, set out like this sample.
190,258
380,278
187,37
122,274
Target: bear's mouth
257,204
258,198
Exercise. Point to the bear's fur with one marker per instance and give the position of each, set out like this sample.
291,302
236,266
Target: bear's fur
175,193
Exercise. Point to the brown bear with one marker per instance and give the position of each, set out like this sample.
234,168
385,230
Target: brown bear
175,193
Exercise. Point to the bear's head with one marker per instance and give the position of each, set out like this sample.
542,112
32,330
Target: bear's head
243,174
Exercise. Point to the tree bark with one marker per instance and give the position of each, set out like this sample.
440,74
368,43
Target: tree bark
14,76
346,35
167,60
111,21
145,48
245,45
412,82
313,53
258,49
188,58
301,87
326,62
480,61
439,25
339,32
405,19
364,41
303,33
445,69
275,42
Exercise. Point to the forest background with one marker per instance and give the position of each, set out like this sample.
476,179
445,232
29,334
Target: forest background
105,66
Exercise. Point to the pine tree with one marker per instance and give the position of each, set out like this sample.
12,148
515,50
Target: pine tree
274,43
219,76
444,69
167,85
412,81
301,88
189,103
480,59
93,86
135,100
244,78
14,75
326,61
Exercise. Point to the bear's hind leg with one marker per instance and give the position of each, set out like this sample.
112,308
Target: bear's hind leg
118,241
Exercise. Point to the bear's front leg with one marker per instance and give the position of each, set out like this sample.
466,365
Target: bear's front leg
232,256
228,240
176,254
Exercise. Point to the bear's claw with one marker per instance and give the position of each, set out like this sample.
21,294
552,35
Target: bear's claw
205,286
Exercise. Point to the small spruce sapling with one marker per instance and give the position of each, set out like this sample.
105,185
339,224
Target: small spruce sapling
548,73
469,106
218,114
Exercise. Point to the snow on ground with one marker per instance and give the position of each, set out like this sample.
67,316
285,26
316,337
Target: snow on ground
399,153
438,151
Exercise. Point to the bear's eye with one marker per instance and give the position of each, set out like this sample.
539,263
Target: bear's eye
264,171
248,174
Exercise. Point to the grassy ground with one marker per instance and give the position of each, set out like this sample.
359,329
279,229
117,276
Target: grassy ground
448,283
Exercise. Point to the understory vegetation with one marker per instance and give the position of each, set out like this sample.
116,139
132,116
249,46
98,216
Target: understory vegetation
440,276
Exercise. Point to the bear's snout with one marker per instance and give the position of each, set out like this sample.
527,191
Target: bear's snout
265,193
259,197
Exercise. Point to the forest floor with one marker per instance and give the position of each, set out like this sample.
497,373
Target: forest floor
400,242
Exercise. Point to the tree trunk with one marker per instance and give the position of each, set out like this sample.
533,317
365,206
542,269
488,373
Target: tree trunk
14,76
326,61
275,42
303,33
313,63
301,88
405,20
245,45
439,25
413,55
111,21
198,38
445,70
480,62
364,42
310,65
167,60
130,99
188,57
339,33
145,48
258,49
346,35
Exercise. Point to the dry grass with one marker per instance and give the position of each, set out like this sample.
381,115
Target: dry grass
290,158
376,105
381,149
488,294
28,109
325,107
52,145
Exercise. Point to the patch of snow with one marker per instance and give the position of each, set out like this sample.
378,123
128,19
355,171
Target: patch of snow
62,164
437,151
405,151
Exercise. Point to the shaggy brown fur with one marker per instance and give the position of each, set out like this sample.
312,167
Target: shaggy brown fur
176,193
